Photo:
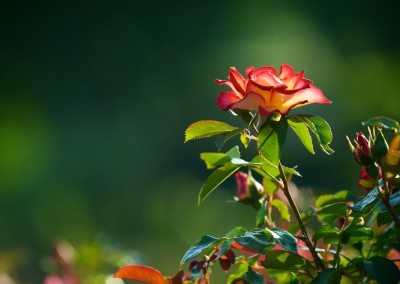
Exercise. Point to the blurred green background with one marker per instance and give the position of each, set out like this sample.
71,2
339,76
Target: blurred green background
95,97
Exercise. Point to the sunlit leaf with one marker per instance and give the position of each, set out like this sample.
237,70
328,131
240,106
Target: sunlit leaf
332,212
282,208
286,260
256,240
140,273
300,128
223,138
328,233
324,200
215,179
198,247
206,128
355,233
383,122
284,239
271,139
214,159
321,129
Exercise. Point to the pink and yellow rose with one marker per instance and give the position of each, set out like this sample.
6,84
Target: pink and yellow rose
267,92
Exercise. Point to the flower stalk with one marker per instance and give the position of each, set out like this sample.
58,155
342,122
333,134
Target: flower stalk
318,262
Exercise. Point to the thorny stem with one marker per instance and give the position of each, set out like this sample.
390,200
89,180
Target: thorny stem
318,262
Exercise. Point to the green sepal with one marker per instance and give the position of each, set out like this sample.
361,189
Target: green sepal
271,139
206,128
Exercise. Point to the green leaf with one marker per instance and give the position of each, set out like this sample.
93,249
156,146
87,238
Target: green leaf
198,247
354,233
383,270
242,268
256,240
286,260
328,276
253,277
245,140
223,138
260,217
291,171
271,140
206,128
266,167
282,208
225,246
320,129
324,200
213,160
236,232
284,239
215,179
385,217
328,233
383,122
300,128
332,212
366,204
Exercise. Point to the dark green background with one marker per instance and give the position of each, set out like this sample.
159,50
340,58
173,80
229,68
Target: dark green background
95,97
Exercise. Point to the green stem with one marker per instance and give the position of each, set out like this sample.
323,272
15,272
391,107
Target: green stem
391,211
317,260
386,197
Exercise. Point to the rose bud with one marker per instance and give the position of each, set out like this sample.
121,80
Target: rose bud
362,152
247,188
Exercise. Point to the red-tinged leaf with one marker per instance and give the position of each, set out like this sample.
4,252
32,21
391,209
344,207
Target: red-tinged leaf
140,273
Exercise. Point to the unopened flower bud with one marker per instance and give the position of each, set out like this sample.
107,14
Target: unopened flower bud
248,189
373,170
362,150
366,182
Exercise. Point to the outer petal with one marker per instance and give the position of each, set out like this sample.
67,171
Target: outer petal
251,102
226,99
310,95
237,80
286,71
265,79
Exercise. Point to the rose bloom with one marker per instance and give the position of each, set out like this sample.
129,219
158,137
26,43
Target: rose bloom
267,92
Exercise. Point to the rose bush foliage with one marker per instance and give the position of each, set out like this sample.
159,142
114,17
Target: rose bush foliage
338,239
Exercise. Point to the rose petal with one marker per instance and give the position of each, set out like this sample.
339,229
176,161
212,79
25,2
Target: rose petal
226,99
